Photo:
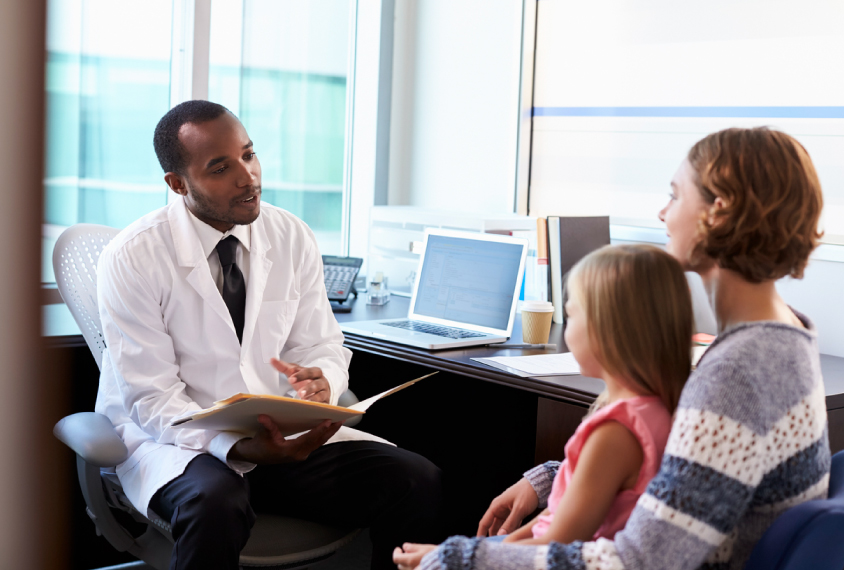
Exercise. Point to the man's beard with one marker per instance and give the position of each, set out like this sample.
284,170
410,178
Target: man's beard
205,209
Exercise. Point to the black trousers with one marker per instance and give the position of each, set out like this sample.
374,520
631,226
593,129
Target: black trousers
396,493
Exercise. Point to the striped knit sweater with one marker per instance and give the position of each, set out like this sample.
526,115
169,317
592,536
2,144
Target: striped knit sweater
749,440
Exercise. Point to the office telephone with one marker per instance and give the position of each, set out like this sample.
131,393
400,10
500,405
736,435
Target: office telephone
340,273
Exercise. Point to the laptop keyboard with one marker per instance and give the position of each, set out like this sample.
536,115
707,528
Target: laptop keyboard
438,330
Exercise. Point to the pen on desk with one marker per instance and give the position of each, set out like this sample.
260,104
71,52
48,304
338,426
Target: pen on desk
544,346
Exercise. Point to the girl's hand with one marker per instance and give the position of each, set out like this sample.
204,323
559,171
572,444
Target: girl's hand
410,555
522,533
532,541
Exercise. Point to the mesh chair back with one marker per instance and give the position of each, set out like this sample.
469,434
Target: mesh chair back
75,263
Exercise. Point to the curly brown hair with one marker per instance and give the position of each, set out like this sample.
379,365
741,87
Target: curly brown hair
769,223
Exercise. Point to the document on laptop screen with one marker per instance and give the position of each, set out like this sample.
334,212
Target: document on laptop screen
469,281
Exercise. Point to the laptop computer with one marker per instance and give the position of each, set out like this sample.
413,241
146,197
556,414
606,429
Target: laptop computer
465,294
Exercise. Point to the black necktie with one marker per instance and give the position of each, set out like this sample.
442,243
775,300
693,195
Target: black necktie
234,287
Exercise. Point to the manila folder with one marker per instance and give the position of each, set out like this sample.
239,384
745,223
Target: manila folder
239,413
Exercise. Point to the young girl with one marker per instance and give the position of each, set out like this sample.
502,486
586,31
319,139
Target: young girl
629,322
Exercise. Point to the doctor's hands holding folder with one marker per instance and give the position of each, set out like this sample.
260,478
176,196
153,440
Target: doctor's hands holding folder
269,446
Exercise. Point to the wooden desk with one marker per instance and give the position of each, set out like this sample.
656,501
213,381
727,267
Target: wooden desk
576,391
555,422
553,411
573,389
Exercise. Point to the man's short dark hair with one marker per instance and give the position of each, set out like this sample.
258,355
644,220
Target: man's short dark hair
171,153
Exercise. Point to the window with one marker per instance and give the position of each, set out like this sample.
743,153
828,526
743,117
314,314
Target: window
622,90
108,83
280,66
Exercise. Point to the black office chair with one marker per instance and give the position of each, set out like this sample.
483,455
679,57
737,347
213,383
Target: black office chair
275,542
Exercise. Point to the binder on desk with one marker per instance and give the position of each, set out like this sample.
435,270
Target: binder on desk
570,239
543,279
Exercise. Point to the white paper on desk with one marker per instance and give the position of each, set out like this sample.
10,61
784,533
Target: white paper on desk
697,352
562,364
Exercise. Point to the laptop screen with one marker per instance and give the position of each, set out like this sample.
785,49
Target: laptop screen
469,281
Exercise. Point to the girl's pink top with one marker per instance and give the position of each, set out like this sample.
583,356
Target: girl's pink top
649,421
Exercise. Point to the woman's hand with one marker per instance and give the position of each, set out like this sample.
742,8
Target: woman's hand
410,555
507,510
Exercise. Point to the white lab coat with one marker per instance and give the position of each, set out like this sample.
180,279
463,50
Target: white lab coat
172,346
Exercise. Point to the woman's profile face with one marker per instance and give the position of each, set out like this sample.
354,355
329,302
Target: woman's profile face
682,215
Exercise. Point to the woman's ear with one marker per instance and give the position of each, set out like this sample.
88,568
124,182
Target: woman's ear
719,205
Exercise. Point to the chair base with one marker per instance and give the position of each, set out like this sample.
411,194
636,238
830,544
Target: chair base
283,542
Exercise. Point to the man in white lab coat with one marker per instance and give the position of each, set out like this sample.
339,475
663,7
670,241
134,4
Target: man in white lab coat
198,300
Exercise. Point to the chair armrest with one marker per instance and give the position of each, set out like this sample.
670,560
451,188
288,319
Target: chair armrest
93,438
345,400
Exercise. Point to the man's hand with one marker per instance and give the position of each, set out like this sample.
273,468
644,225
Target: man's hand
268,446
309,383
410,555
507,510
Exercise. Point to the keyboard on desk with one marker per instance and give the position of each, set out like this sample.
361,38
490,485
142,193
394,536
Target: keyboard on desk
438,330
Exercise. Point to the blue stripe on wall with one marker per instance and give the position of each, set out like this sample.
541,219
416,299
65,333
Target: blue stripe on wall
738,112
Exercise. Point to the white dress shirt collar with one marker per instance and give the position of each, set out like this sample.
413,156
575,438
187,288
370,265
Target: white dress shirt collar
210,237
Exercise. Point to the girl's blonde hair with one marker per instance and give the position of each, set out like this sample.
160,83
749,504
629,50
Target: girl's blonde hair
639,317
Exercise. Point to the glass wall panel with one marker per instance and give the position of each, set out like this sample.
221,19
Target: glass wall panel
108,84
281,67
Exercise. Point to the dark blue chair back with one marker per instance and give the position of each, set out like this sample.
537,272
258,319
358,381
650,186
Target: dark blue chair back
810,535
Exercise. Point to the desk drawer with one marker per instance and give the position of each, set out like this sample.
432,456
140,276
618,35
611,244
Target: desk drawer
555,424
